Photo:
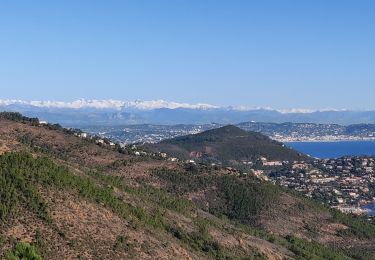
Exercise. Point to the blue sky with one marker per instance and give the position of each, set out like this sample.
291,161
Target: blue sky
281,54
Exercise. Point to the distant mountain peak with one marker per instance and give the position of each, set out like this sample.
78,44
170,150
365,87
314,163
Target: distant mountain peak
157,104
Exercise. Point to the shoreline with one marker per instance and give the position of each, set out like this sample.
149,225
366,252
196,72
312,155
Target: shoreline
369,208
324,140
365,208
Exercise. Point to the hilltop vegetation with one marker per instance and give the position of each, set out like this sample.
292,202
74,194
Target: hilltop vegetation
95,202
227,144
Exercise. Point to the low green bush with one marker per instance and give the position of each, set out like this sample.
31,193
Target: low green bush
23,251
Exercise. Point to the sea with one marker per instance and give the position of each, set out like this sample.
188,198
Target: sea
326,150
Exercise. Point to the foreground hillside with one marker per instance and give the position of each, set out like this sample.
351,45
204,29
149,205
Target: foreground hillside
227,145
67,197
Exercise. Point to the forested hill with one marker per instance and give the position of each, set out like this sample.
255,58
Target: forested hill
66,196
228,143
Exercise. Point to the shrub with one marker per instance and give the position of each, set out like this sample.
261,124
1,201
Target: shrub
24,251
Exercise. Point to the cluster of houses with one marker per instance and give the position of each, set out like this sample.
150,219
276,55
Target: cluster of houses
345,183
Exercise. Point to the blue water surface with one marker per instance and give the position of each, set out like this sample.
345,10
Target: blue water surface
325,150
371,207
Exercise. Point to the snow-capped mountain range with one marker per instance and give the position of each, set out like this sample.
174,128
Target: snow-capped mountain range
107,104
138,104
116,112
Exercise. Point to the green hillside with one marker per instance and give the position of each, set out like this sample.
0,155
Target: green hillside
66,197
227,144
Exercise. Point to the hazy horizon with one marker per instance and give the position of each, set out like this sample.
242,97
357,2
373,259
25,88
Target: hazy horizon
158,103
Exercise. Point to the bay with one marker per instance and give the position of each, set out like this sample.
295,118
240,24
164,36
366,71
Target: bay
325,150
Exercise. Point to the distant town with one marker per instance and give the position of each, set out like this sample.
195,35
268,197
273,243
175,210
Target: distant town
346,183
284,132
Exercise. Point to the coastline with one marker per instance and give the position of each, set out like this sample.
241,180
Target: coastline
369,209
328,140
